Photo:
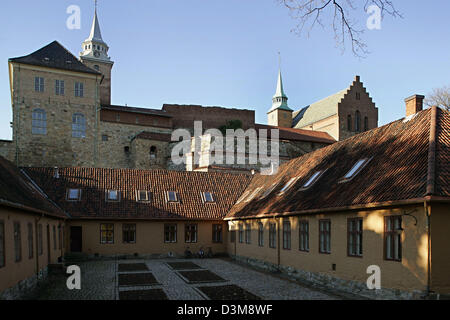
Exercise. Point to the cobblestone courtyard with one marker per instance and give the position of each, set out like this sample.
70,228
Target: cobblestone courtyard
174,279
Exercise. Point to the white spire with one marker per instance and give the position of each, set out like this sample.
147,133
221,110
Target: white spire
94,47
96,34
280,99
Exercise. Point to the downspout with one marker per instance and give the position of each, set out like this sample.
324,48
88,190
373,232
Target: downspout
431,175
278,242
97,108
37,243
16,124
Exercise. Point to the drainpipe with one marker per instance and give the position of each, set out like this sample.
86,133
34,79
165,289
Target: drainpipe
37,243
278,242
97,108
427,208
16,122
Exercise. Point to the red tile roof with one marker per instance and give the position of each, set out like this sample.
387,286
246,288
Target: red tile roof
189,185
293,134
18,191
398,170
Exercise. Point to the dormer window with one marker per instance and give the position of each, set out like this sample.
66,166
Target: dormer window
288,185
355,169
73,194
143,196
208,197
113,195
316,176
172,196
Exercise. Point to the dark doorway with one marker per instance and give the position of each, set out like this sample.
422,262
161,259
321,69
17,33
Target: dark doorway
76,239
49,257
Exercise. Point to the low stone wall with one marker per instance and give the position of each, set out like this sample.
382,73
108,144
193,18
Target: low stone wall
24,287
321,281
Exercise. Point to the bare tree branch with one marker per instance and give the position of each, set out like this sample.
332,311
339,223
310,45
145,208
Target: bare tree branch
310,12
440,97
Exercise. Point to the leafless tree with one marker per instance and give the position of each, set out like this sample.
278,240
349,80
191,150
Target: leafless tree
311,12
439,97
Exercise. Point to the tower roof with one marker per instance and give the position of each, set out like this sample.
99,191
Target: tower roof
280,99
96,33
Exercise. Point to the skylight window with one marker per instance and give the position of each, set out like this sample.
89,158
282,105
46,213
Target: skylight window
172,196
288,185
143,196
208,197
268,191
244,195
112,195
316,176
355,169
253,195
73,194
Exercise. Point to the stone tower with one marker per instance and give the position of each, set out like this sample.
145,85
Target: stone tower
95,56
280,114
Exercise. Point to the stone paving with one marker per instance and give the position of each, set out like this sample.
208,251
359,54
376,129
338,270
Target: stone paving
99,281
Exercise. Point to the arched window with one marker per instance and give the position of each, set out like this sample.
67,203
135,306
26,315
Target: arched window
78,126
366,123
349,123
357,121
153,152
39,122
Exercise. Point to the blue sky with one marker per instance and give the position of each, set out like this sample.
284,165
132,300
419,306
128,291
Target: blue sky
225,52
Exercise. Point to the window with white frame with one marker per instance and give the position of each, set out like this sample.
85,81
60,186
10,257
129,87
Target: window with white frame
143,196
79,89
260,234
39,84
172,196
312,179
78,126
106,233
208,197
39,122
288,185
253,195
355,169
59,87
113,195
73,194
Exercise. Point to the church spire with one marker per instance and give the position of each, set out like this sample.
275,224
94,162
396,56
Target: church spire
96,34
94,47
279,100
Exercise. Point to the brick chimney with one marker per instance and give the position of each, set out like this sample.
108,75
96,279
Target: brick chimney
414,104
